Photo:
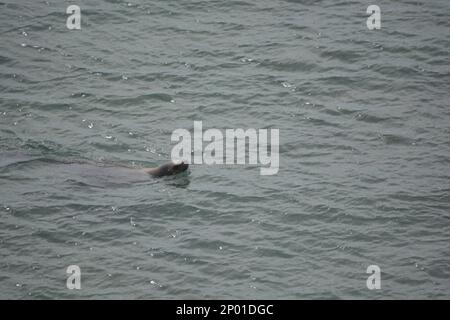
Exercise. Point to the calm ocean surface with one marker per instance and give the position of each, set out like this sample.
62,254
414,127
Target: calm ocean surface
364,149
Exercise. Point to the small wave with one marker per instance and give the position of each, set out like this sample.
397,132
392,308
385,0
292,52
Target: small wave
393,139
132,101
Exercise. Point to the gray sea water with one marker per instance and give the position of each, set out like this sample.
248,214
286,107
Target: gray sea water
364,149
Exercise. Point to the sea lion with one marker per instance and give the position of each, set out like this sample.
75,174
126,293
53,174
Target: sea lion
167,169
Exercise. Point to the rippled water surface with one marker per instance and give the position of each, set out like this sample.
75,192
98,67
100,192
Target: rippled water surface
364,149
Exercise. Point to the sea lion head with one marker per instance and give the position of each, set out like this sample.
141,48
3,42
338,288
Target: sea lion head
177,167
167,169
